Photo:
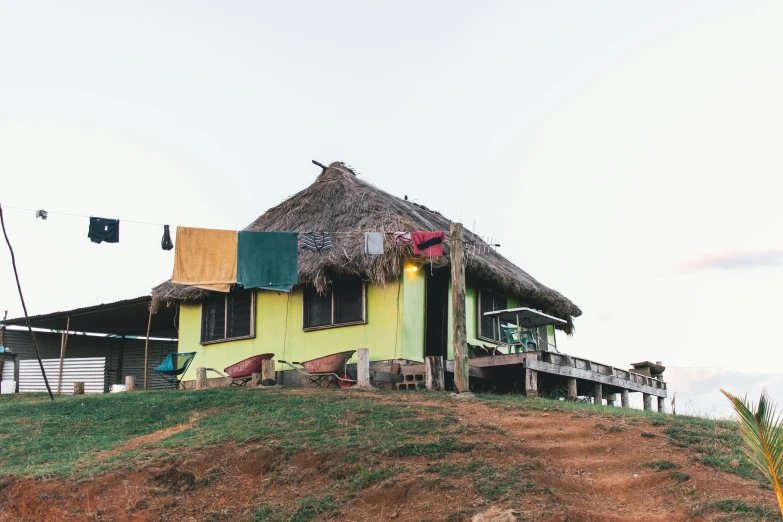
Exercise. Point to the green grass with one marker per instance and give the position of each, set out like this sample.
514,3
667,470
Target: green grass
658,465
67,437
740,510
679,477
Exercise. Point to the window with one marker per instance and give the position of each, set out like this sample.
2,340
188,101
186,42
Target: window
228,316
489,302
342,304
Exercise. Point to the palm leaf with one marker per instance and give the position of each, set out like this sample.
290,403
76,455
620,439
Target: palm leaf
762,431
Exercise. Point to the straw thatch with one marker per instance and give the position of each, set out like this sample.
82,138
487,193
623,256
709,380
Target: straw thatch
341,203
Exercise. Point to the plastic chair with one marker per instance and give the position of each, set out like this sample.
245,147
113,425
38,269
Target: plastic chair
511,337
527,338
173,372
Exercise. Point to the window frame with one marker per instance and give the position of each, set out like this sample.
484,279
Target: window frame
252,333
331,293
479,333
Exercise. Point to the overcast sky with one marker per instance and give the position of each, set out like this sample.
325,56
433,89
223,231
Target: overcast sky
624,153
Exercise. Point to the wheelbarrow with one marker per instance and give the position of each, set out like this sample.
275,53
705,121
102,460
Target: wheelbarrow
326,371
240,373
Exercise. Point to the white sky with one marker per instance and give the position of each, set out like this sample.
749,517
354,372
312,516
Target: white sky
626,154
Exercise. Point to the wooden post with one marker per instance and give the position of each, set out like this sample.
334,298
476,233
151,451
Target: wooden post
147,347
201,378
130,383
662,404
363,368
459,329
63,342
571,389
78,388
435,379
598,395
121,359
626,402
610,399
531,383
647,401
268,369
255,380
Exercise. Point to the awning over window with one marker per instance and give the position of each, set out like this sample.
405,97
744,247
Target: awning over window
526,317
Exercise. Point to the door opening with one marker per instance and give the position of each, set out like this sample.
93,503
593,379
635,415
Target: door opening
437,309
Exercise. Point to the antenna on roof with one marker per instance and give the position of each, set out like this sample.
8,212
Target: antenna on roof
319,164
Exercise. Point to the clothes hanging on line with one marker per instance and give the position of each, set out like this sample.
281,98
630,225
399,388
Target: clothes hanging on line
103,230
205,258
268,260
165,242
373,243
401,238
428,243
41,214
317,242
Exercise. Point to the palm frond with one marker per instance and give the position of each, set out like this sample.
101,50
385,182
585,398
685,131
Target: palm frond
762,431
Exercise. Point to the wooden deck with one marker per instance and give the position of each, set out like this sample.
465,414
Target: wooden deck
598,380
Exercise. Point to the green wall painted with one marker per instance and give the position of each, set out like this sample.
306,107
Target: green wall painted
283,336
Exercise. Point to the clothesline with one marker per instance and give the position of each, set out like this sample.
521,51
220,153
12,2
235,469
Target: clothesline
341,233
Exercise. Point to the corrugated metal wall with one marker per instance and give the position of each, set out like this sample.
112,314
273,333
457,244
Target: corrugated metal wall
122,357
91,371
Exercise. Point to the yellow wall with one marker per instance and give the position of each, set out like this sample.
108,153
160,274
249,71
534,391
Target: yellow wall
393,330
290,342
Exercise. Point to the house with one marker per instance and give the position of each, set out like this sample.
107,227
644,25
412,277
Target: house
396,305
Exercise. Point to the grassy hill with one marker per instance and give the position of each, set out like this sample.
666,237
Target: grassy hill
295,455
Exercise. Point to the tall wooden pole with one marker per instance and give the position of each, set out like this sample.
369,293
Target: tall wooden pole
147,346
459,330
63,343
24,306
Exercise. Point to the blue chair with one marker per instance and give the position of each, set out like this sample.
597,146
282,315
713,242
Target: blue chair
174,366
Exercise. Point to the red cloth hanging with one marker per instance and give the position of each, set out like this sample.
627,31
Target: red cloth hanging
431,243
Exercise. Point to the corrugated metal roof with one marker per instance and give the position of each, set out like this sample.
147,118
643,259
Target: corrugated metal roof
126,317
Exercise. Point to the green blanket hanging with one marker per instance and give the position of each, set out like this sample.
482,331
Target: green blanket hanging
268,260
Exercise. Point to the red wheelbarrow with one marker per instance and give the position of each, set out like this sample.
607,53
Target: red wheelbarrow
328,370
240,373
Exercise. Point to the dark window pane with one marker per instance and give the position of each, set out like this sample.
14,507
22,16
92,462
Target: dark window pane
213,318
489,302
348,301
240,309
319,308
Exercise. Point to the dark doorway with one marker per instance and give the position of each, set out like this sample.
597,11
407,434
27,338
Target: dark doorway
436,321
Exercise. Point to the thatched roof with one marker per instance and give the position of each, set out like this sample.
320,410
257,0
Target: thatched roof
340,202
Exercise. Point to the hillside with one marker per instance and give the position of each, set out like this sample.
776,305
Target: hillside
296,455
